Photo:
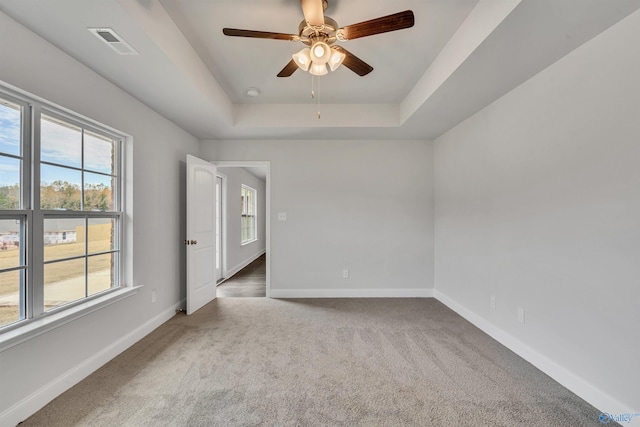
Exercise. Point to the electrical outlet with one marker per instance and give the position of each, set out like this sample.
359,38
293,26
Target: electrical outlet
282,216
520,315
493,302
154,296
345,274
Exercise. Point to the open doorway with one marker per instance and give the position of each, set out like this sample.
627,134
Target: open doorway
243,232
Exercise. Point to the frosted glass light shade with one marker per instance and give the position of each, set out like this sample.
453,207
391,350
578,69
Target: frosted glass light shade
320,53
302,59
336,59
318,69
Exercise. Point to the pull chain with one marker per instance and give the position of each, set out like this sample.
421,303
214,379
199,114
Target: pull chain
318,97
313,92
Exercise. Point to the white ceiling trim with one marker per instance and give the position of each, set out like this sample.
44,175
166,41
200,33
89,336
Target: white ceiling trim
305,115
481,22
161,29
499,45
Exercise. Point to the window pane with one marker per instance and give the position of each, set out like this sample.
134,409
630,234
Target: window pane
99,153
60,188
10,122
98,192
9,183
64,282
10,296
63,238
10,238
101,235
252,231
101,272
61,142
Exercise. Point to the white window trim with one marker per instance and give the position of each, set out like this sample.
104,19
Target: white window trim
25,330
29,329
255,217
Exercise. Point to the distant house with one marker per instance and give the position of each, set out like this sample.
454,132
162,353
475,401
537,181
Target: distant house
9,240
55,237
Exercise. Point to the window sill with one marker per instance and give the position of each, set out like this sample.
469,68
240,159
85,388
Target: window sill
45,324
248,242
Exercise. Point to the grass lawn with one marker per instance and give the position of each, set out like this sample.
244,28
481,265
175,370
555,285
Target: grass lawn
54,272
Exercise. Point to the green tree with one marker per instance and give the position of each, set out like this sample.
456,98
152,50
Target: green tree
60,195
10,197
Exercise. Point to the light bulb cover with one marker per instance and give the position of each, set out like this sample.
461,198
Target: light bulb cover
336,59
302,59
318,69
320,48
252,91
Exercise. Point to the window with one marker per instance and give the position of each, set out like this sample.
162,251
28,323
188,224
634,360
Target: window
60,219
248,225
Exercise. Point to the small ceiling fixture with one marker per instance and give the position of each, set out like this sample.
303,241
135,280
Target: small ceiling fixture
252,92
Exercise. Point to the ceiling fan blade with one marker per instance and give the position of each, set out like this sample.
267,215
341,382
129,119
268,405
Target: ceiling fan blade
233,32
289,69
397,21
354,63
313,12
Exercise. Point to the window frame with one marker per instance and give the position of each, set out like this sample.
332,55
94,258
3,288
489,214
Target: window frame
244,242
33,313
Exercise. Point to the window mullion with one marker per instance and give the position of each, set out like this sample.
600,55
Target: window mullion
26,273
35,293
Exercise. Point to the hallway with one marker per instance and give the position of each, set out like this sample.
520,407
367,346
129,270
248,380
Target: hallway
251,281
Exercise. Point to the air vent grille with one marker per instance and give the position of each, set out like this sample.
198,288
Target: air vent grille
113,40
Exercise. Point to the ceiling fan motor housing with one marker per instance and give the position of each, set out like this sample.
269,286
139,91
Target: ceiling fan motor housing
326,33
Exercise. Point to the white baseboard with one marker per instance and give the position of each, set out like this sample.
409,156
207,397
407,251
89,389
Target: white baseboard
351,293
229,273
45,394
568,379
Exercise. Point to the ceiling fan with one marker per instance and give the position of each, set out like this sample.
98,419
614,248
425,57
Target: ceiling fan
320,33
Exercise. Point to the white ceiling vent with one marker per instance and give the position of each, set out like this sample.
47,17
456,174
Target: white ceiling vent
113,40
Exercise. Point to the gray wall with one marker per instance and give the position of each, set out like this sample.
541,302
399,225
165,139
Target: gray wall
156,157
365,206
538,203
238,255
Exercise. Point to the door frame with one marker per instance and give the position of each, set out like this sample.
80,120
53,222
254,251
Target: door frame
223,223
267,221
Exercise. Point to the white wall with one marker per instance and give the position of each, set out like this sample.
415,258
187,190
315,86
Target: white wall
237,255
538,203
38,369
365,206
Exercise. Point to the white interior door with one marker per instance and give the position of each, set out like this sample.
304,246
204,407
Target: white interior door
201,233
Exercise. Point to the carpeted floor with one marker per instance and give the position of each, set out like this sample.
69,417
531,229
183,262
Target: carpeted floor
325,362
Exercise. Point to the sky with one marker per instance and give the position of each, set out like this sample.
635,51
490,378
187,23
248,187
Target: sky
60,144
9,143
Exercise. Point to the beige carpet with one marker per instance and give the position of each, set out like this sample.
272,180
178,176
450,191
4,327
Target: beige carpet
328,362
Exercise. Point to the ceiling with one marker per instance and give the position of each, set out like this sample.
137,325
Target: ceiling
460,56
